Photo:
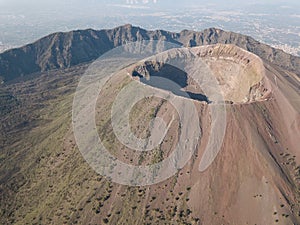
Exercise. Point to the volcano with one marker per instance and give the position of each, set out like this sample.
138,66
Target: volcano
249,176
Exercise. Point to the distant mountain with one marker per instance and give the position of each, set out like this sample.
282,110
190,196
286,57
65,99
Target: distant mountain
63,50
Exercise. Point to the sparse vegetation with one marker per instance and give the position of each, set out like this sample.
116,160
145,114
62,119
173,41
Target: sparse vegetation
46,180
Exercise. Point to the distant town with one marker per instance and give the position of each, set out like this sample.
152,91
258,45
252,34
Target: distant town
278,25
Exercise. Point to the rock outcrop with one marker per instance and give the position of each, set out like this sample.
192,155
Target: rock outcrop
63,50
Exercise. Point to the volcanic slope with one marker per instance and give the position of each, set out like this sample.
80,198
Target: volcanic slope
45,180
64,50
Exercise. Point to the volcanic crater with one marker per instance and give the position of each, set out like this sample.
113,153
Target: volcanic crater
201,72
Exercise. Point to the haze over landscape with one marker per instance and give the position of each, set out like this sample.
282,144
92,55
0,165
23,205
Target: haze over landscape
149,112
272,22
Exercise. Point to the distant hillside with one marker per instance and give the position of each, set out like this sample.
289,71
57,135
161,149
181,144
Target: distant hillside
63,50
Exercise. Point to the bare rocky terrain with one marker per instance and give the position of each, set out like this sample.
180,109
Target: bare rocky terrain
254,179
64,50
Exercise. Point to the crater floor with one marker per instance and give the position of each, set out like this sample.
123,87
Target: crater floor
201,72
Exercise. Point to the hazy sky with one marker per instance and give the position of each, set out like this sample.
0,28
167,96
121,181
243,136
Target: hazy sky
170,3
113,6
22,21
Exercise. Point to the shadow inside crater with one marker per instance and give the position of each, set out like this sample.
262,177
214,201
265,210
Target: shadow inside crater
174,80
